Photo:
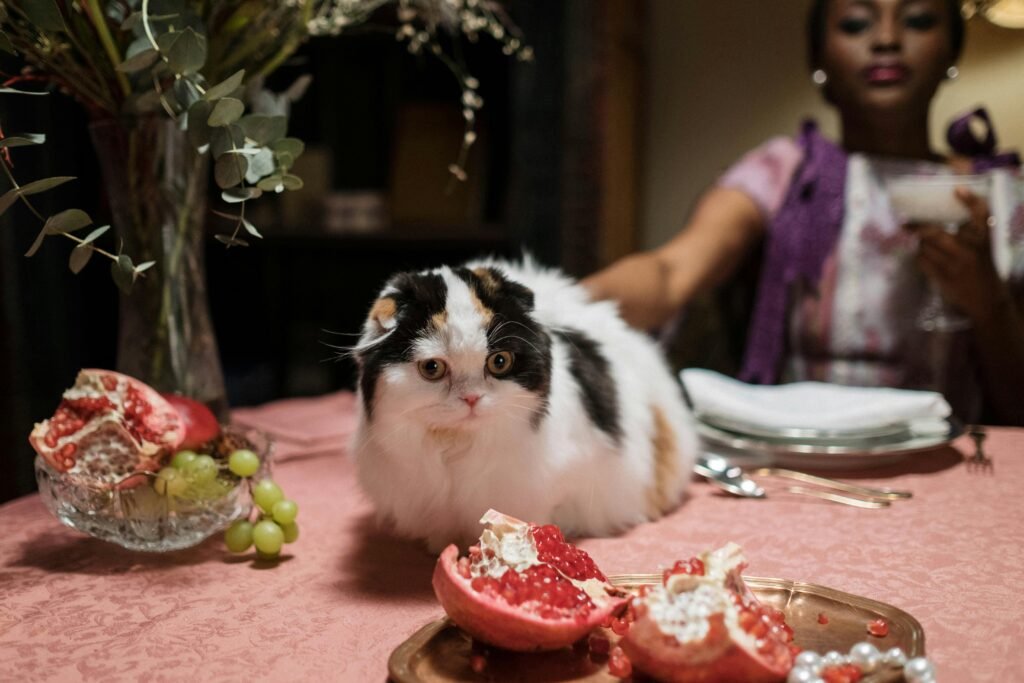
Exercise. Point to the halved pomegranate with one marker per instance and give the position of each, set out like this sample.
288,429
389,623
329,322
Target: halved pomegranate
704,624
108,426
201,424
524,588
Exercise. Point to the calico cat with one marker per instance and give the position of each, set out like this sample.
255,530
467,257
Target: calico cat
501,385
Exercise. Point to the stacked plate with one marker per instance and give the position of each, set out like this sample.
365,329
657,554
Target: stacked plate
812,425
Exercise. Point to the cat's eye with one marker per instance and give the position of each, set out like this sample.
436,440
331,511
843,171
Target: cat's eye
500,363
432,369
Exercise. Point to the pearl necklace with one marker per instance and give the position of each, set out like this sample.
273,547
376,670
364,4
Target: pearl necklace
866,657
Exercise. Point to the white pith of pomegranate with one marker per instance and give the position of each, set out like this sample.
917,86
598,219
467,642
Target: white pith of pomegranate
704,624
108,426
523,588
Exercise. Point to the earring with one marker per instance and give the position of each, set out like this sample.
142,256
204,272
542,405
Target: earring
819,77
952,73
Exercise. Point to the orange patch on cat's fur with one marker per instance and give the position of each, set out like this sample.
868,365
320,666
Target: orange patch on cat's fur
384,309
661,495
490,286
439,320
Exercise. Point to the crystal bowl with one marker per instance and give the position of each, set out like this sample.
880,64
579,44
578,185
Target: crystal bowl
134,514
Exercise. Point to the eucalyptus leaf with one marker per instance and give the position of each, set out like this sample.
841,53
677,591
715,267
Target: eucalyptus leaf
245,151
236,195
229,170
297,89
293,146
284,160
67,220
44,14
95,234
7,200
251,229
187,53
225,87
225,139
38,243
5,44
148,101
44,184
198,131
138,46
185,93
231,241
263,129
229,216
139,62
123,272
226,111
273,183
22,139
15,91
143,267
260,165
80,256
291,182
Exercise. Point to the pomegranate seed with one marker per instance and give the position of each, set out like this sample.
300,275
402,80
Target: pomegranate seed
822,618
110,383
478,663
618,664
620,626
748,620
599,645
878,628
50,439
844,673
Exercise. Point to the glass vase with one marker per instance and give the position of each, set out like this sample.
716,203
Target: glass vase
156,183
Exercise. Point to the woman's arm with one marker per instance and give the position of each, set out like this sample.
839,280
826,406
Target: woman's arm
961,265
650,287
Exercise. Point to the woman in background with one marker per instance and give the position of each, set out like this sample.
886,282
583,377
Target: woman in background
835,300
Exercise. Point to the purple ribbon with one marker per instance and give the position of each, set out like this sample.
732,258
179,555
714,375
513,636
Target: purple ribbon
962,140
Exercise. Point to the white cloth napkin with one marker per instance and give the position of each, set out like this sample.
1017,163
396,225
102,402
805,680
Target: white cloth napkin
808,405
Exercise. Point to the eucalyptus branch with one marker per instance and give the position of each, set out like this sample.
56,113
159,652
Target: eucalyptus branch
27,203
99,22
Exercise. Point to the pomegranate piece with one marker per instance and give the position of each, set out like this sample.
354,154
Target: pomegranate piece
878,628
708,626
524,588
108,426
201,425
822,618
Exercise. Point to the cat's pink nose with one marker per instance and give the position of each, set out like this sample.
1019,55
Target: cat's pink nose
470,399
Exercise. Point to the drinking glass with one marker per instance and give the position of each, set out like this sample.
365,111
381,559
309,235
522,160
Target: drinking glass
918,198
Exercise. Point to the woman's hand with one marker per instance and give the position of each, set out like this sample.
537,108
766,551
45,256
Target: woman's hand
961,264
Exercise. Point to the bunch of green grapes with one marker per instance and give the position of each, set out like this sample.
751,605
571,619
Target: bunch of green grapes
276,524
191,476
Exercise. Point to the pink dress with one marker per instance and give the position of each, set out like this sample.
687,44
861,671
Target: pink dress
856,326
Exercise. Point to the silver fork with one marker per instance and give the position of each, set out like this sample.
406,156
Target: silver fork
979,461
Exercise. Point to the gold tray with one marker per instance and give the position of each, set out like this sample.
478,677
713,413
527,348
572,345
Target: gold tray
440,651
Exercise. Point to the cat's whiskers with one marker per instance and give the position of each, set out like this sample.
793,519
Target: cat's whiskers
528,343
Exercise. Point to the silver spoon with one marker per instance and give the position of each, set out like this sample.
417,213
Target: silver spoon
730,478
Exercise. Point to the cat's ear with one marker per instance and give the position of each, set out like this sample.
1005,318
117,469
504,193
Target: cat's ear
383,316
494,284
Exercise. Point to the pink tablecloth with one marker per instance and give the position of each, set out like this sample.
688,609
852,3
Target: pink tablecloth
76,609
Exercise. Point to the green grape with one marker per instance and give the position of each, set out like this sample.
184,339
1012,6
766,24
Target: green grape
238,537
243,463
182,458
170,482
265,493
201,470
291,532
285,511
268,537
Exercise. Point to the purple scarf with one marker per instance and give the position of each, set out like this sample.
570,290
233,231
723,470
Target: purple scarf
806,228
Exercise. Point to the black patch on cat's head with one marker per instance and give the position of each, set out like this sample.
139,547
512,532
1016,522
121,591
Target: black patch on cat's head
417,298
512,328
597,388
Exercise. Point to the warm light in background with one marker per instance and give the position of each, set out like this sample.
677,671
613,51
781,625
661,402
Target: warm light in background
1006,13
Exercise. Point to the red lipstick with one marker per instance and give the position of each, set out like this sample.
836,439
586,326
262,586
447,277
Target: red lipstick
886,74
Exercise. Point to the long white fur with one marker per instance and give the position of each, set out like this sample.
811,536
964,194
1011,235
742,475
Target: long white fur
431,471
